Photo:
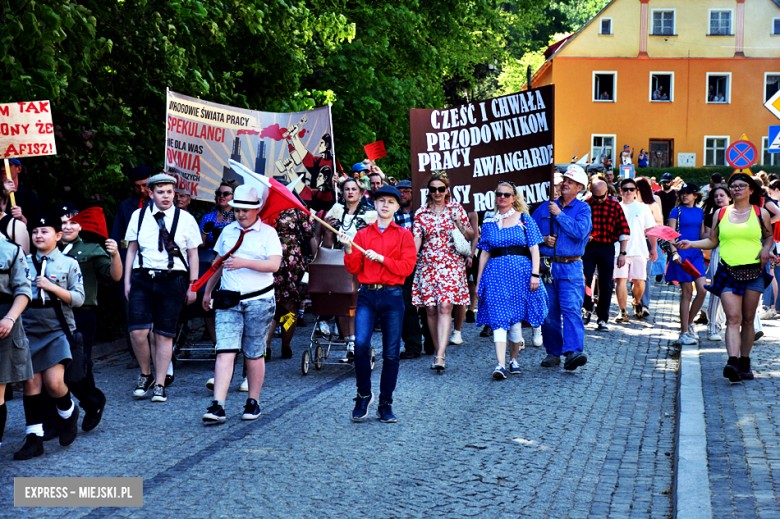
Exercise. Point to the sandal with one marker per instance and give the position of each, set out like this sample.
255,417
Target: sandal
439,367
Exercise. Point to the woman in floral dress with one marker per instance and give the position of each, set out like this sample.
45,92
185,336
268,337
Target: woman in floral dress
440,279
293,226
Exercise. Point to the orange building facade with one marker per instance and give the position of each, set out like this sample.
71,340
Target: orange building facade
680,79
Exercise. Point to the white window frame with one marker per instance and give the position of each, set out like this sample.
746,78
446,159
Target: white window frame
611,26
674,21
766,75
773,157
613,136
704,156
614,86
772,27
728,90
731,22
671,87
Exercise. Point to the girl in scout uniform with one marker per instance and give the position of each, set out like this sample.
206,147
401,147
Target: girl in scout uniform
15,363
56,280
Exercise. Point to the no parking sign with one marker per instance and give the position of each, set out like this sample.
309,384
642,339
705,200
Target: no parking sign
741,154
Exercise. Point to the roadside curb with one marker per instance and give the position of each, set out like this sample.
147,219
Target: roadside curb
691,493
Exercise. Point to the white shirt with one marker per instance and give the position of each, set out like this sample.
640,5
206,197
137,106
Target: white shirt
187,237
640,218
259,243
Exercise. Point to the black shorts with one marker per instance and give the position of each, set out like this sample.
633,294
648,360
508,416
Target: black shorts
156,302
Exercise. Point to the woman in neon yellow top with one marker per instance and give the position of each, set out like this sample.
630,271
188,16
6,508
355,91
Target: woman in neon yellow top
745,241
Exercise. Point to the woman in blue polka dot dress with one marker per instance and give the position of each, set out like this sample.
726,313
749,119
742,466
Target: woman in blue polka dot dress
509,290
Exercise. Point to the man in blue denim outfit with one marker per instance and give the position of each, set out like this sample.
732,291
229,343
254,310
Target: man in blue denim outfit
391,255
565,224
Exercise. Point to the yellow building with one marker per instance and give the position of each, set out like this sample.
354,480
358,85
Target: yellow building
680,78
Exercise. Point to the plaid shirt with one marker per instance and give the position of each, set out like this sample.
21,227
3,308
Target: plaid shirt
405,220
609,221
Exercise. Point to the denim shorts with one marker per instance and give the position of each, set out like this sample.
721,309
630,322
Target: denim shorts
156,302
245,327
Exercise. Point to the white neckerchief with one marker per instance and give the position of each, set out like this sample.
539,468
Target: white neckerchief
500,217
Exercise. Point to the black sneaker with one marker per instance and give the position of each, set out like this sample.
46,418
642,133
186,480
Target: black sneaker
159,394
732,373
143,385
168,380
470,317
92,417
69,427
487,331
361,407
601,326
586,318
215,414
385,413
574,360
251,410
407,354
744,369
32,448
551,361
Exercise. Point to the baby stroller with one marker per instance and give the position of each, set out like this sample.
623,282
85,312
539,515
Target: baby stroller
333,292
188,345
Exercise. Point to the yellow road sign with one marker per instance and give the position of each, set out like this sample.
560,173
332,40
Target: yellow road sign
773,105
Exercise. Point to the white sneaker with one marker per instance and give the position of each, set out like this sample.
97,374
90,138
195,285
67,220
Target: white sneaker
456,338
770,313
324,328
350,353
714,336
687,339
244,387
537,336
210,384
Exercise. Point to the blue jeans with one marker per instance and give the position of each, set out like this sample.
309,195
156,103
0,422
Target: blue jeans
768,298
563,330
387,305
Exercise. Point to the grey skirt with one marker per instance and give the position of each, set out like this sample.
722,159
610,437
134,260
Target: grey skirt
48,343
15,362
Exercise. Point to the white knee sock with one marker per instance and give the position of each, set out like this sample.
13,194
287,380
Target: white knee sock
66,414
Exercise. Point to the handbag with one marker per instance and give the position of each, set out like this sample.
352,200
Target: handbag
226,299
462,245
77,369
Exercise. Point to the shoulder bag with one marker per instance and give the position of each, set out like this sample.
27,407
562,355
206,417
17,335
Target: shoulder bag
462,245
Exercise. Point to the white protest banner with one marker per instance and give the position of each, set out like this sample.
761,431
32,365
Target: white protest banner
295,148
26,130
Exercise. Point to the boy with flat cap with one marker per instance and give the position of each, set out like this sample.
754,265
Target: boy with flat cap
389,259
157,280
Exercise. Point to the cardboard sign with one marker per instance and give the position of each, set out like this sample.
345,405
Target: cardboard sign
26,130
375,150
483,143
295,148
664,232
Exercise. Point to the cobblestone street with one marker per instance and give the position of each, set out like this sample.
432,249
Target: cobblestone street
594,443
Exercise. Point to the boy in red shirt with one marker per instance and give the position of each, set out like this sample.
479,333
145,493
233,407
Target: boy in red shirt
391,256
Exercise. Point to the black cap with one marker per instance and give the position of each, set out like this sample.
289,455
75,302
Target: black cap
45,220
689,187
666,177
66,208
404,183
388,191
140,173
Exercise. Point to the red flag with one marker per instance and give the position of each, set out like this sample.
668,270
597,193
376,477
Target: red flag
664,232
93,220
279,199
375,150
688,267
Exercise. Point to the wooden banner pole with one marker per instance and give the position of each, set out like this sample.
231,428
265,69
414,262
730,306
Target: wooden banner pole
8,176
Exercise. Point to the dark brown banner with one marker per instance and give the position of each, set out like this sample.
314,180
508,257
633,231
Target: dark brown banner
480,144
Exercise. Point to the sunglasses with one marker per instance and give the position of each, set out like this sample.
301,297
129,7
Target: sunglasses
224,193
440,189
597,197
627,189
504,195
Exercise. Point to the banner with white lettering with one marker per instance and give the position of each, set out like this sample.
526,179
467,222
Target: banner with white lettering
293,147
508,138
